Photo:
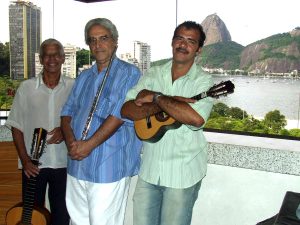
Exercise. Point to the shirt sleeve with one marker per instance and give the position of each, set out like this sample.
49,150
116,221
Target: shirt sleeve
145,82
133,75
204,106
68,107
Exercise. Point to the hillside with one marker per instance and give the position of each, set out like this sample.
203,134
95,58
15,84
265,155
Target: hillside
224,55
279,53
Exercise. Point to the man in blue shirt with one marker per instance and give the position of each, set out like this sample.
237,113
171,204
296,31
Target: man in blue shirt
100,165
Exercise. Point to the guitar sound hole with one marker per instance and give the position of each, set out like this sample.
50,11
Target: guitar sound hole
162,116
148,122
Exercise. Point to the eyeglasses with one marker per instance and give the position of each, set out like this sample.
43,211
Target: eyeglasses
102,39
189,41
55,56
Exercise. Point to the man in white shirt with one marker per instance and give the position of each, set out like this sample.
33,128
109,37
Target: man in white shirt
37,104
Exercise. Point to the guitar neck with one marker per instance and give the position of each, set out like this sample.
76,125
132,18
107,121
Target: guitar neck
28,201
200,96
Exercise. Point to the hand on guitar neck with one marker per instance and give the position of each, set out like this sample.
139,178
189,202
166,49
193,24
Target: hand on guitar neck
26,212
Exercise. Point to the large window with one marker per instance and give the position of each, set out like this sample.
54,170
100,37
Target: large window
267,95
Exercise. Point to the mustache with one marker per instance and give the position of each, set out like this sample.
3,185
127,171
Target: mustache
183,50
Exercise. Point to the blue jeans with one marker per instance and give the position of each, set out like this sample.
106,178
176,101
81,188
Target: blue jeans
159,205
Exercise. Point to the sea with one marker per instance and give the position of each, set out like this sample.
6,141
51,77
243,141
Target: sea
260,95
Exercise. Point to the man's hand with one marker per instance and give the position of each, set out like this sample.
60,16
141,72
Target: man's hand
79,150
29,168
56,136
144,96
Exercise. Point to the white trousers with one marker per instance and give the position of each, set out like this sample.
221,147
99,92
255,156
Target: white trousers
96,203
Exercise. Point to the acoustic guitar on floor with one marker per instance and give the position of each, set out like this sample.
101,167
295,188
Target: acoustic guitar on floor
26,213
152,128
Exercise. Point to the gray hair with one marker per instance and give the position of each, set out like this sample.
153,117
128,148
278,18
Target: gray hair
101,22
51,41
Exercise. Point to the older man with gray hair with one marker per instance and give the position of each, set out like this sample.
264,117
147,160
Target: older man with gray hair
104,151
37,104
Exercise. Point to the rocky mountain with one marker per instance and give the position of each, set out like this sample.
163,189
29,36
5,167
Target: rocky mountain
215,30
279,53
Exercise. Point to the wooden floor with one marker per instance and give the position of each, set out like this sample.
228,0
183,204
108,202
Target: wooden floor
10,179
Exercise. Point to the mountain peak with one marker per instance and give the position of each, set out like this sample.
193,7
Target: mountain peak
215,30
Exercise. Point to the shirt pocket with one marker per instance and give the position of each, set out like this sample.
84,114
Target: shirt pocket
103,109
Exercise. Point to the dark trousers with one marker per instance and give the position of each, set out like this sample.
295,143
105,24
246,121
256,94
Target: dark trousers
56,179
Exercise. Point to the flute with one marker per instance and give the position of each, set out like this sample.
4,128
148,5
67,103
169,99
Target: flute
96,99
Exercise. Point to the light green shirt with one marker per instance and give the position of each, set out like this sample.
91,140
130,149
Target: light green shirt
179,159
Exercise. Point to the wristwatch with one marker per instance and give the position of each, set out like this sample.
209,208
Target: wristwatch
156,95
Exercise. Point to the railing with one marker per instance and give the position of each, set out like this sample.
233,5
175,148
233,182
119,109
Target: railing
2,120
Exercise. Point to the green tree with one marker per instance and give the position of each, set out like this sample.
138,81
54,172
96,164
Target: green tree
275,121
294,132
82,58
8,88
4,59
250,124
237,113
224,118
221,109
217,123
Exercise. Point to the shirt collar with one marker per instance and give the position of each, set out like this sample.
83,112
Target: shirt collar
168,66
40,82
95,68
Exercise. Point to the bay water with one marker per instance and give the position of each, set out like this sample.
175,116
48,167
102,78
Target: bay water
260,95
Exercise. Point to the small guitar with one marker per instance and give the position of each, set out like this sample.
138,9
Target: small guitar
152,128
25,212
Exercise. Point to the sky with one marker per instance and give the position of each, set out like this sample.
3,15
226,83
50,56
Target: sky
154,21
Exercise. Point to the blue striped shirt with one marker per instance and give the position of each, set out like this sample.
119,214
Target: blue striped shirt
118,156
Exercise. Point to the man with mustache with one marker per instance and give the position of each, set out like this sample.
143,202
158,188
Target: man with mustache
173,167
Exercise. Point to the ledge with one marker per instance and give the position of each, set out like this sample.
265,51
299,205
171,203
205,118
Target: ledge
249,152
5,134
258,153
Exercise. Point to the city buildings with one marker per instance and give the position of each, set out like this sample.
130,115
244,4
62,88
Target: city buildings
69,66
142,53
25,38
129,58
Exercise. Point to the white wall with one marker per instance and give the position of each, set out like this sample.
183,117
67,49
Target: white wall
235,196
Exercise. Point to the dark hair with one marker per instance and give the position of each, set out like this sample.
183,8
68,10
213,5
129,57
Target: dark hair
195,26
51,41
101,22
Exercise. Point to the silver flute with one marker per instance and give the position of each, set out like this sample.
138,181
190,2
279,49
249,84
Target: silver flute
96,99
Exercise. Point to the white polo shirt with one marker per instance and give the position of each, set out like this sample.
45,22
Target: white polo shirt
34,106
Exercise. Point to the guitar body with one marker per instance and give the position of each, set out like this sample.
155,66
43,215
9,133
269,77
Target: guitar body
40,216
154,127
